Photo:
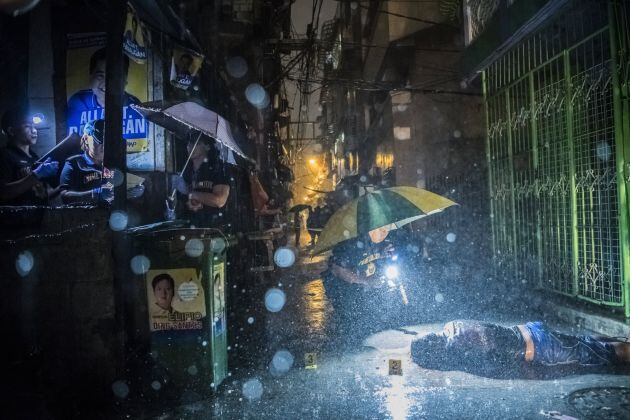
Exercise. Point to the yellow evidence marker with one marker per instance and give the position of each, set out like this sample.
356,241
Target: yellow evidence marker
310,360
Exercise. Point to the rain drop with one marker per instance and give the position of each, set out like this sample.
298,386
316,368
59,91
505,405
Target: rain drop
140,264
192,370
236,67
363,178
346,233
252,389
194,247
156,385
457,134
250,320
275,300
284,257
118,220
204,343
217,245
120,389
24,263
439,297
604,151
117,178
257,96
359,244
451,237
282,362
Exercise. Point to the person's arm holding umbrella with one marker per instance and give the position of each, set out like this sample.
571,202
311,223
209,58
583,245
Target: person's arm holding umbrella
209,186
217,198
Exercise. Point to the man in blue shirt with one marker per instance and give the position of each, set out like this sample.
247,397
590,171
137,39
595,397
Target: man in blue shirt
89,104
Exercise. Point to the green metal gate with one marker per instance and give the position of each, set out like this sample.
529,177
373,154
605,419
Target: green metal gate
558,134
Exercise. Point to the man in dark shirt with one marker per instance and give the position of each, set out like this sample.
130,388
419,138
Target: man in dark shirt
487,348
22,180
362,277
83,178
204,186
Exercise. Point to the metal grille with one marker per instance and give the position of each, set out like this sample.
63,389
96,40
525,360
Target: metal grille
552,140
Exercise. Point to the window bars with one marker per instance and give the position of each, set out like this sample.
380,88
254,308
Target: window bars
557,113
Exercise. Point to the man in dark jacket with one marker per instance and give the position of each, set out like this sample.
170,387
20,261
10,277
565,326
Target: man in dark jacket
22,178
83,178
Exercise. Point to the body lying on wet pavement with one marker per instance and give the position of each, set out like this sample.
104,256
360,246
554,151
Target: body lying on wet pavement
489,348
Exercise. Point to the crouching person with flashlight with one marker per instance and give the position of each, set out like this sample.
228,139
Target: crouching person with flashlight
362,277
83,178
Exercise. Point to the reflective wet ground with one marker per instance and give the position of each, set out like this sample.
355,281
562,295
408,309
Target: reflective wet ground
344,373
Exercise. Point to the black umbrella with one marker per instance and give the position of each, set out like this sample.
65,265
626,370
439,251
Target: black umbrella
183,117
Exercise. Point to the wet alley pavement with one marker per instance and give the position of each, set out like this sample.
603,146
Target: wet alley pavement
341,374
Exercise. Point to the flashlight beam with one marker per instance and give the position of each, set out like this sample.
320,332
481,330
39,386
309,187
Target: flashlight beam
403,294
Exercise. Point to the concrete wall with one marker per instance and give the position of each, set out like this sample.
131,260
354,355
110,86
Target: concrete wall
40,74
436,133
59,318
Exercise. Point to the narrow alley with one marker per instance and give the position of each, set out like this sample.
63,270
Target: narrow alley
337,373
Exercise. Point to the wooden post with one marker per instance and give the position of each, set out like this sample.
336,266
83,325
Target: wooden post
115,146
116,158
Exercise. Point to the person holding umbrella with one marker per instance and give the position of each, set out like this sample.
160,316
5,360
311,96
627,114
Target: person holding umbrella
204,185
366,259
297,220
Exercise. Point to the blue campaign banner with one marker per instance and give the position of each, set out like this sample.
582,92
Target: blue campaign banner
83,107
85,89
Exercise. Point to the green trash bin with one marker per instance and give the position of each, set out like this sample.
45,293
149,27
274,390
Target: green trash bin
184,274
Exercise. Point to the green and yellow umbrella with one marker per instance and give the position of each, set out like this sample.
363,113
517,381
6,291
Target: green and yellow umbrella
388,208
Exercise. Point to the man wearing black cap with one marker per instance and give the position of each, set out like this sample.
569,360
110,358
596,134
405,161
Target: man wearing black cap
83,178
21,178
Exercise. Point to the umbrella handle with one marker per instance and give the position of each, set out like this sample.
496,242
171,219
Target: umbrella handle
170,207
189,155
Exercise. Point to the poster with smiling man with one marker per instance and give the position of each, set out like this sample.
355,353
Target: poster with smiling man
85,87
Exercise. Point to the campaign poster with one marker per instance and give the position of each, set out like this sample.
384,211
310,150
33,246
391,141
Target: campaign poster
134,38
184,68
176,299
85,89
218,303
